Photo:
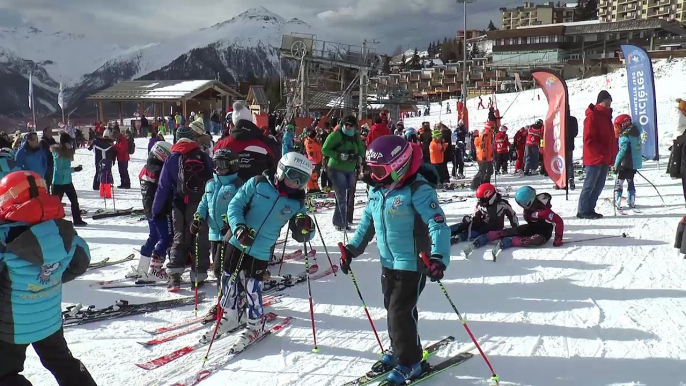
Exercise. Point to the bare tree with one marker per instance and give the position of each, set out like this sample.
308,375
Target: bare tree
398,50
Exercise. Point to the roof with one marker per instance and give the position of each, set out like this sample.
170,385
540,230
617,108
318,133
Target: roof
628,25
162,90
257,96
323,100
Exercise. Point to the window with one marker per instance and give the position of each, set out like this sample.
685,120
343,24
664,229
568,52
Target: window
544,39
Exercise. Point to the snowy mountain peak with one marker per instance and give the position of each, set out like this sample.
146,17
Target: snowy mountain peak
259,13
297,21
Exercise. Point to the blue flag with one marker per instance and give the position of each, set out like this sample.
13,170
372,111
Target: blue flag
639,71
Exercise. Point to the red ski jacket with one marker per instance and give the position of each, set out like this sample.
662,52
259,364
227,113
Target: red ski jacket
600,146
534,135
502,143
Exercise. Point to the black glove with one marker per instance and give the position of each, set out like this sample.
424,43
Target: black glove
225,226
195,226
346,258
78,168
244,235
301,226
435,268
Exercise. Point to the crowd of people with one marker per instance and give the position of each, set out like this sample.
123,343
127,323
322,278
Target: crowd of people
223,208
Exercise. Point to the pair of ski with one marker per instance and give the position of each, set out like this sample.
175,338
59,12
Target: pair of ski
76,315
188,326
108,262
379,370
176,354
621,210
297,255
223,360
134,282
469,249
288,281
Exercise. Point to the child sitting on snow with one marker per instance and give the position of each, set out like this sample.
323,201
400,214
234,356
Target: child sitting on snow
489,216
629,158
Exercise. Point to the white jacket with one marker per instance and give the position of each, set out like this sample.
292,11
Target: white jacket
680,126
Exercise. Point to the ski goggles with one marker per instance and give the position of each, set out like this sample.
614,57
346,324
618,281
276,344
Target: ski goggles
224,164
296,176
396,169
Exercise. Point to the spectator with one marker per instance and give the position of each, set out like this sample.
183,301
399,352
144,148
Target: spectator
45,143
103,149
379,129
600,148
121,149
63,155
31,157
215,122
145,126
676,167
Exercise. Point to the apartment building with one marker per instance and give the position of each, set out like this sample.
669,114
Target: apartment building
438,82
620,10
531,14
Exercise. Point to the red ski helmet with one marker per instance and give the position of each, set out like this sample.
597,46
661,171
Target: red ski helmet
485,193
623,121
24,198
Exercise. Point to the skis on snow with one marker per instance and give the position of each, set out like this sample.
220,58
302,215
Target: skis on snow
208,370
176,354
108,262
379,370
76,315
288,281
122,212
433,370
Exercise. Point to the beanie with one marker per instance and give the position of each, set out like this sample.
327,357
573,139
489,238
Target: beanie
241,112
185,132
603,95
64,138
198,126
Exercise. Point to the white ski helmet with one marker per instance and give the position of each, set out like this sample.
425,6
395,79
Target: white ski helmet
295,167
161,150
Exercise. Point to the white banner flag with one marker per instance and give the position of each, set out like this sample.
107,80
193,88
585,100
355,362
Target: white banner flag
60,97
518,82
30,90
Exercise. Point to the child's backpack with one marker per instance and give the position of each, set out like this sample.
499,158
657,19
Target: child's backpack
193,175
132,144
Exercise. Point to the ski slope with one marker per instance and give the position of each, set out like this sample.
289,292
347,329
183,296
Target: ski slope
606,312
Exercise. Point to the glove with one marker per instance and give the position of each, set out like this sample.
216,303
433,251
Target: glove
346,258
343,156
435,268
558,241
304,224
195,226
225,226
78,168
244,235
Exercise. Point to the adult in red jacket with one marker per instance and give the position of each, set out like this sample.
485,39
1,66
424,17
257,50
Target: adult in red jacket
257,152
379,129
122,150
520,144
599,150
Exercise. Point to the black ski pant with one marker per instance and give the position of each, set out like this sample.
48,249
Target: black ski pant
442,170
96,177
183,244
124,174
48,177
483,175
54,355
401,290
60,191
501,161
216,250
458,162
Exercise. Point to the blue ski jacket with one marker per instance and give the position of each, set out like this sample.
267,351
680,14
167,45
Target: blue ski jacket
287,142
62,169
8,165
630,148
36,261
259,205
408,213
30,159
215,202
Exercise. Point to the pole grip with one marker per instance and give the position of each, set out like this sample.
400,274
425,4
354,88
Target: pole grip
425,259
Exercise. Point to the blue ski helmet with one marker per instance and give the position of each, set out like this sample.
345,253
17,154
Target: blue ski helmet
525,196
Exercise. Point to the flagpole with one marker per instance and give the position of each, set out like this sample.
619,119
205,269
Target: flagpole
33,103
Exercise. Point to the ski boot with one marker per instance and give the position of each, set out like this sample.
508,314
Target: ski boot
174,283
571,184
502,244
229,322
386,363
253,330
156,271
477,243
618,199
401,375
141,270
632,200
201,277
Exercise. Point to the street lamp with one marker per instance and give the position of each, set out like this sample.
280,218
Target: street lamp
464,50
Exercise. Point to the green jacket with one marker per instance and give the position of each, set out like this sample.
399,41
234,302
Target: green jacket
338,143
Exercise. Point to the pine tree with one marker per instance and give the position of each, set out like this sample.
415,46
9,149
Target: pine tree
415,62
491,26
386,69
430,50
403,63
587,9
474,52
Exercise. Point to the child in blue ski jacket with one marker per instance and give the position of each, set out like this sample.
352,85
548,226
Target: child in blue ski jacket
404,214
256,214
214,206
288,140
629,158
41,251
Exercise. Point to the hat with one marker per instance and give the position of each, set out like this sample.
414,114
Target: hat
107,133
350,120
603,95
185,132
64,138
198,126
241,112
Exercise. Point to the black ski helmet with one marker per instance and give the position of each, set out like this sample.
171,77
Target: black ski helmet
225,162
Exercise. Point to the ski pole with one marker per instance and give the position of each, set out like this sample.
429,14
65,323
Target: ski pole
232,280
359,293
654,187
494,377
596,238
316,223
196,274
283,251
309,293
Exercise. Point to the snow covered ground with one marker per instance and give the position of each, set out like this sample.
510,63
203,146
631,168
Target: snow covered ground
606,312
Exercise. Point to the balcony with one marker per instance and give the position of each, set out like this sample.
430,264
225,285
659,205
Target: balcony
450,80
404,79
424,84
414,78
425,76
476,76
437,82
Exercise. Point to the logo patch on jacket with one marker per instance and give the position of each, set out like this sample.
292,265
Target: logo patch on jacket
46,272
286,210
397,202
